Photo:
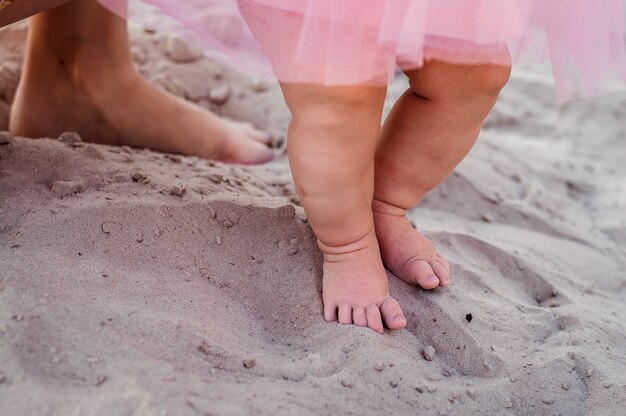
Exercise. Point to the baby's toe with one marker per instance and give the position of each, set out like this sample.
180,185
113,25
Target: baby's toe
359,317
392,314
422,273
374,319
440,269
345,314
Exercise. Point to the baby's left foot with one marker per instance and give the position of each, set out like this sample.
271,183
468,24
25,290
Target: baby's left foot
407,253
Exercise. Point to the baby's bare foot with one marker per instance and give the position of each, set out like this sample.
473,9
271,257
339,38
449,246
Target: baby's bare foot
407,253
356,289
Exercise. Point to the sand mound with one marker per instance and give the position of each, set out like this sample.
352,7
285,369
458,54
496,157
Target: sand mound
133,282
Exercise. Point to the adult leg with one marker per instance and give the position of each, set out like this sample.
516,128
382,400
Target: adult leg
79,76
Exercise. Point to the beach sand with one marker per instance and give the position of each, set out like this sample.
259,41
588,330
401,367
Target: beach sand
140,283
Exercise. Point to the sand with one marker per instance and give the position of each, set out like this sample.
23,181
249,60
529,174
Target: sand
139,283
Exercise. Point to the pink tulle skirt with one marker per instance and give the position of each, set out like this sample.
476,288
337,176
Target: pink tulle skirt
348,42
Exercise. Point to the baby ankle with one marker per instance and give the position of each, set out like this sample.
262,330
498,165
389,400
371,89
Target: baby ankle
385,208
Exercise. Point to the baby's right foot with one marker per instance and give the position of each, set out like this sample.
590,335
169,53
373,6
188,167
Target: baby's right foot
355,286
407,253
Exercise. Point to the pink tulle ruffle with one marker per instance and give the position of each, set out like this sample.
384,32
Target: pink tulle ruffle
347,42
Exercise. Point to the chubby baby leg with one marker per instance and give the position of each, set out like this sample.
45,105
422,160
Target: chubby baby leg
430,130
332,141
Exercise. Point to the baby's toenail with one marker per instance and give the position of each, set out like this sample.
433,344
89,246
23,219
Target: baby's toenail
433,279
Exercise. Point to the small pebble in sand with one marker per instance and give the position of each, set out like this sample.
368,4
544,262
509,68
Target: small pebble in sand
215,177
92,360
121,178
287,211
293,247
346,384
393,383
547,400
471,393
101,380
379,367
92,152
469,317
433,377
421,388
140,56
218,240
53,350
181,52
211,212
233,217
178,190
174,158
486,217
278,142
260,86
63,189
139,177
249,363
565,386
219,95
590,372
346,349
446,373
158,232
55,360
5,137
108,227
428,352
70,138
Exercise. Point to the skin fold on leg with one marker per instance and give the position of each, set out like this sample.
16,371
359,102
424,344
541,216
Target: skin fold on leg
79,76
429,131
332,141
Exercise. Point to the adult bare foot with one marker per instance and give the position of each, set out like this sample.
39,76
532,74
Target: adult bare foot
355,287
78,76
129,111
406,252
